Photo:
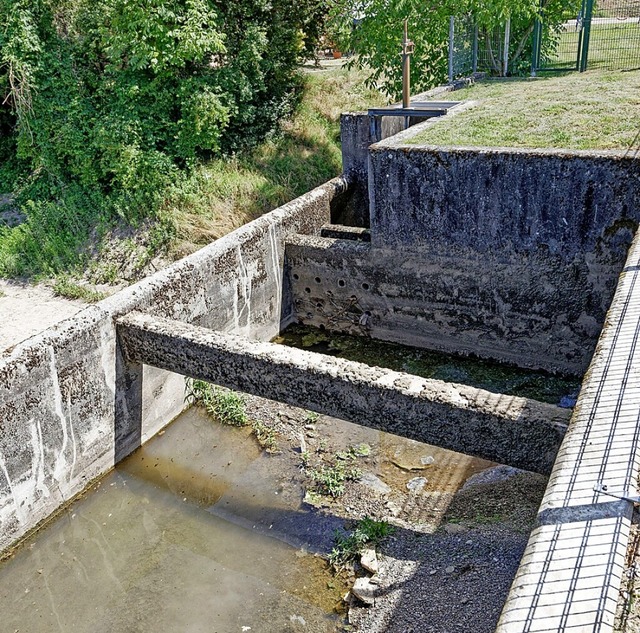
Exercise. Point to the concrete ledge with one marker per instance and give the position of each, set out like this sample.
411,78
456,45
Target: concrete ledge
517,431
571,571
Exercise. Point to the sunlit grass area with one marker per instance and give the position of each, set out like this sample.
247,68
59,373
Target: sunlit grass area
591,110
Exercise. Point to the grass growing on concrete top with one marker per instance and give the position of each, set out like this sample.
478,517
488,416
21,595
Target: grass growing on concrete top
591,110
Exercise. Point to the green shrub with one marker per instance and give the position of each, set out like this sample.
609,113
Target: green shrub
104,104
366,534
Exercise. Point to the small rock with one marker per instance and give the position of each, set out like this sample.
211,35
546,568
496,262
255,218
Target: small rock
312,434
449,570
375,483
464,600
313,499
416,484
310,427
454,528
369,560
406,458
364,590
394,509
491,476
427,460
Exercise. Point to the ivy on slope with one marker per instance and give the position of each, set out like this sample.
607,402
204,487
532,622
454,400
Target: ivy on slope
104,103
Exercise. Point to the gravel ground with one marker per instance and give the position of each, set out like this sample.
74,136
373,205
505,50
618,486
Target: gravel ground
459,535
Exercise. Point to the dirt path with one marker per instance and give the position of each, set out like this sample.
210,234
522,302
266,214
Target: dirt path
26,310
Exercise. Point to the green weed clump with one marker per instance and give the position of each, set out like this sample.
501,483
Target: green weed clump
367,534
330,480
228,407
66,287
266,436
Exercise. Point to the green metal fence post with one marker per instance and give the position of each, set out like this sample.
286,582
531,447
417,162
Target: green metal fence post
535,54
584,54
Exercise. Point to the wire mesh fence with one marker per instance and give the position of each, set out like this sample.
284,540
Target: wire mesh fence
588,34
615,42
473,49
463,46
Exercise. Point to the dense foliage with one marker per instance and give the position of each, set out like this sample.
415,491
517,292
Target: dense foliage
372,29
102,104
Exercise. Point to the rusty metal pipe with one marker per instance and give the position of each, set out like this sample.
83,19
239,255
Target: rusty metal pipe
406,67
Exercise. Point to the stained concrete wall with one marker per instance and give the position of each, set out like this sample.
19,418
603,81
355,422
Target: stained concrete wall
505,254
355,135
521,249
71,405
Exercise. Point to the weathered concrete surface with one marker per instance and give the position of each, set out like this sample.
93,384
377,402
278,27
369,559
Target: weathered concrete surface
511,430
355,136
70,404
507,254
489,306
343,232
570,574
565,203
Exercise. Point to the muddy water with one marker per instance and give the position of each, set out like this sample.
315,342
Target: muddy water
177,538
495,377
201,531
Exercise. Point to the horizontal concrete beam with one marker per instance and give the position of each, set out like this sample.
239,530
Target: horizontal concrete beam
515,431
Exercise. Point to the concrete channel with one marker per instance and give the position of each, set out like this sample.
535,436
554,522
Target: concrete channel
515,256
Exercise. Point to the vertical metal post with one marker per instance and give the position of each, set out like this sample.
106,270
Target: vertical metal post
451,35
406,67
407,50
584,57
507,37
535,52
475,49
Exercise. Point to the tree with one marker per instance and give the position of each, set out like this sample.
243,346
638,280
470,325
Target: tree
376,40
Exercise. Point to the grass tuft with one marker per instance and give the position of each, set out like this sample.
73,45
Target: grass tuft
66,287
367,534
228,407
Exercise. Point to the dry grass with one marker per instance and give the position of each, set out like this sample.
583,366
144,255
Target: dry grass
592,110
227,193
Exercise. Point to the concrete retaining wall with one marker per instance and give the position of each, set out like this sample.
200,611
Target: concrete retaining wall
506,254
60,422
522,248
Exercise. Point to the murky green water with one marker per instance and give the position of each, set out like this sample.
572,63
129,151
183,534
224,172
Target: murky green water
491,376
202,532
192,533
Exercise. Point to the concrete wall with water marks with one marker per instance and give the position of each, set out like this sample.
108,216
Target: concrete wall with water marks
507,254
71,406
